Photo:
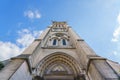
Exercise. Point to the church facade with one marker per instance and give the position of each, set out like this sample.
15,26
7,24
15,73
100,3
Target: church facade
60,54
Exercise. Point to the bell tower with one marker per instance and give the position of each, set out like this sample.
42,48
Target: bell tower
58,36
60,54
59,58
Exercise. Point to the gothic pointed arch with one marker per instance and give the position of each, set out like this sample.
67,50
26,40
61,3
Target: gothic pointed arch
59,63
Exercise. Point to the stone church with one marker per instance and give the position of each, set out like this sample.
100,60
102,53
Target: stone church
60,54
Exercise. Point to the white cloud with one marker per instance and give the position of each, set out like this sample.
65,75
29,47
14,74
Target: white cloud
116,38
25,38
115,53
29,14
116,33
37,14
8,50
32,14
118,18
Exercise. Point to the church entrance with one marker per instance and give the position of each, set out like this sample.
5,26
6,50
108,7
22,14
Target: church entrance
59,66
59,75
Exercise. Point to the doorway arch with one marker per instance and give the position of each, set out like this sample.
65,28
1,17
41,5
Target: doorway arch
59,66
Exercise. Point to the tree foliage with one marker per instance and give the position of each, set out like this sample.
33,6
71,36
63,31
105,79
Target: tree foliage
1,65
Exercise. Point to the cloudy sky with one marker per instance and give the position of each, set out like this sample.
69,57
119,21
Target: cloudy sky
96,21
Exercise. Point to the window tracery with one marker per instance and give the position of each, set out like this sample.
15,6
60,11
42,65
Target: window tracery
59,40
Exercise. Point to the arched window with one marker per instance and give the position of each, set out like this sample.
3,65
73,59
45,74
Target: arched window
54,42
64,42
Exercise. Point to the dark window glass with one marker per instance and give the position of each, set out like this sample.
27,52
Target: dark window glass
54,42
64,42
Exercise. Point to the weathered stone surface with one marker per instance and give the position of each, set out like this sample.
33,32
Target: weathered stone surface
57,53
10,69
22,73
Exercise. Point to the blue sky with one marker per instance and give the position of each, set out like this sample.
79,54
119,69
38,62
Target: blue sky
96,21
